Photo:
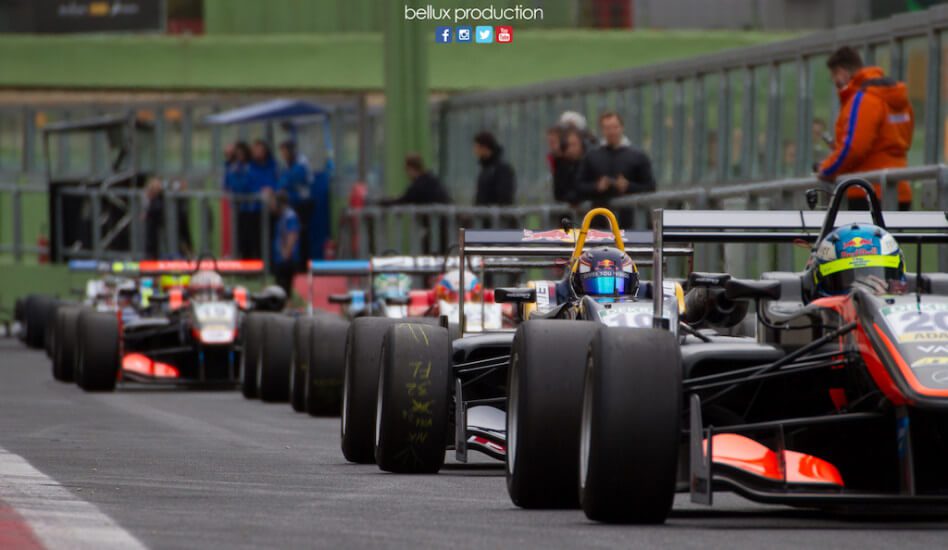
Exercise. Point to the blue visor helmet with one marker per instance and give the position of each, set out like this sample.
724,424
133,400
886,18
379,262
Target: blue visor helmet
863,253
605,272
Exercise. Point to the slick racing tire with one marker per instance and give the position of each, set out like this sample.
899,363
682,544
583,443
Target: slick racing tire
631,426
361,385
327,365
64,347
252,329
49,337
544,402
300,363
98,364
37,314
411,420
276,354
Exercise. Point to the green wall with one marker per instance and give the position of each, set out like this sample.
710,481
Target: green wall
324,62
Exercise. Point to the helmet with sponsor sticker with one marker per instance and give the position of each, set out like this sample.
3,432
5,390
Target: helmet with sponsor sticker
858,253
449,284
606,272
391,285
205,285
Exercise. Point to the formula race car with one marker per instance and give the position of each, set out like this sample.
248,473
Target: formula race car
842,406
405,397
185,336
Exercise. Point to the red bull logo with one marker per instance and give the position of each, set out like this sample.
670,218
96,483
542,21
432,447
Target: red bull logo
858,246
606,264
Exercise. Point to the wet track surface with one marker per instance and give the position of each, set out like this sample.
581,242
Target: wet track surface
210,469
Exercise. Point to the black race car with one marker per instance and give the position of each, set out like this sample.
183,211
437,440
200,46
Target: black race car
188,334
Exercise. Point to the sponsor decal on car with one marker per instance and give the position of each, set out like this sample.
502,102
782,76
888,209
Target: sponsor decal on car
592,236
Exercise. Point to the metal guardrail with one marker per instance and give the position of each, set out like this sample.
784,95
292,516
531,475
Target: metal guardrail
376,230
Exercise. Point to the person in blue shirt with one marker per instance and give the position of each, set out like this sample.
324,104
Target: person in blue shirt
260,176
236,159
295,180
285,255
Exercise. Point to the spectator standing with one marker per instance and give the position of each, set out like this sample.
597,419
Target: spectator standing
423,188
496,182
285,255
567,166
236,160
874,127
261,175
614,168
154,217
554,146
295,180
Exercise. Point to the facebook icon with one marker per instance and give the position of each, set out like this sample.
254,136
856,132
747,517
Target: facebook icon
443,35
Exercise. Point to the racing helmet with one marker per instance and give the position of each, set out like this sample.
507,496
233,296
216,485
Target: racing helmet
857,253
391,285
205,285
605,271
449,284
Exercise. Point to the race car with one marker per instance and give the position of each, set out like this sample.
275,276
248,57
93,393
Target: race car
185,336
301,358
409,386
842,407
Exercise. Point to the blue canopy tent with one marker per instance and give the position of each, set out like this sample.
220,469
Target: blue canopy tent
293,114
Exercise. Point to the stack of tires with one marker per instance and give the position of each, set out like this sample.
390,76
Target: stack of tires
295,359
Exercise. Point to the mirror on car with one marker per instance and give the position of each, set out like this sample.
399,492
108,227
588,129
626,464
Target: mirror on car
708,280
515,295
340,299
736,289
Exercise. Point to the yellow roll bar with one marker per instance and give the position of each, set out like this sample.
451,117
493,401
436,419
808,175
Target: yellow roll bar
587,220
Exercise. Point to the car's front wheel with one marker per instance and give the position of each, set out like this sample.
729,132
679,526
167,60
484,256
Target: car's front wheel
631,426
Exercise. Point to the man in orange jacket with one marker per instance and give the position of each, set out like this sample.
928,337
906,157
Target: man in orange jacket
874,127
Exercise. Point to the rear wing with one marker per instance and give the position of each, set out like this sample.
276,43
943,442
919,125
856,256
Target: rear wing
224,267
410,265
787,225
167,267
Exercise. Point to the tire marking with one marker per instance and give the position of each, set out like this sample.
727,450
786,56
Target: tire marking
57,517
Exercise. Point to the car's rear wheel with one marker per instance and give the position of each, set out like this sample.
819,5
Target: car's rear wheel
64,350
360,387
98,363
252,337
37,313
49,338
327,365
631,426
300,363
545,398
412,407
276,354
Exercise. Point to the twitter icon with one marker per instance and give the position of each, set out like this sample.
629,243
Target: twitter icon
484,35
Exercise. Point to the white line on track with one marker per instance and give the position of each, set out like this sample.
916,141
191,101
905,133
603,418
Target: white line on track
57,517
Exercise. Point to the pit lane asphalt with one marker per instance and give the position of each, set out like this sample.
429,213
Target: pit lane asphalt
187,469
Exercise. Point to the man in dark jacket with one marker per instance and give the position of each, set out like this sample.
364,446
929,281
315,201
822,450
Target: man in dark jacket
424,187
496,183
615,168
